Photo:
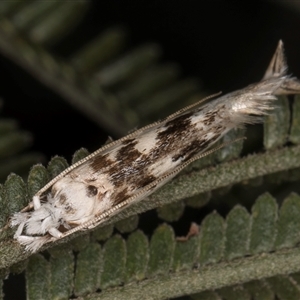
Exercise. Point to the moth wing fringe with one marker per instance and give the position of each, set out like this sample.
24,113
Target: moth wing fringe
257,107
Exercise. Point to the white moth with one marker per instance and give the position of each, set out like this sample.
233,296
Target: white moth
129,169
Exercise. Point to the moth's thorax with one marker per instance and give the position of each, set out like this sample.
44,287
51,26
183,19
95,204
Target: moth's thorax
77,198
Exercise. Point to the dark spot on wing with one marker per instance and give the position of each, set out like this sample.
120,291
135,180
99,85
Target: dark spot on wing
128,150
120,196
130,164
193,148
175,134
62,198
91,191
145,180
210,118
100,162
176,126
218,129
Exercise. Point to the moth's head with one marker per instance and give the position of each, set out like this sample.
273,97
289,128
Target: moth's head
81,197
76,198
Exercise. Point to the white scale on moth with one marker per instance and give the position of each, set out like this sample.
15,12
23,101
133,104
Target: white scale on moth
127,170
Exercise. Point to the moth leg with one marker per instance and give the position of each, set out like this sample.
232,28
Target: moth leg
55,232
32,243
36,202
19,230
18,219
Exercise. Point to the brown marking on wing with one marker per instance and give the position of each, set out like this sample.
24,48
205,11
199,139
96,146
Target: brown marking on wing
62,198
128,151
130,162
218,129
176,134
145,180
121,196
100,162
178,138
195,147
133,166
210,118
176,127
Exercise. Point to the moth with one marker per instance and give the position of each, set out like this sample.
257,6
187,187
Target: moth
129,169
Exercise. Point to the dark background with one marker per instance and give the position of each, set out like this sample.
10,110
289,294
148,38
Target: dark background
227,44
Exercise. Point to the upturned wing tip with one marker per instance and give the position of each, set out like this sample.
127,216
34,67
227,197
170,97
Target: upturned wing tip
278,66
278,69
